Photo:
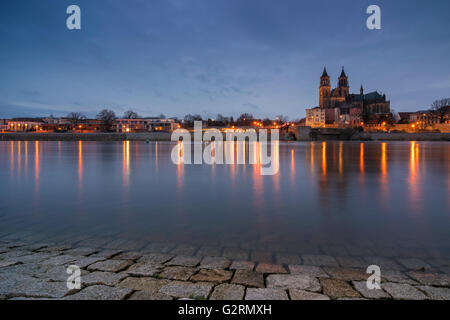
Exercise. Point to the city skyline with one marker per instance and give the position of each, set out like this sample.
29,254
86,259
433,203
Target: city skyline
258,57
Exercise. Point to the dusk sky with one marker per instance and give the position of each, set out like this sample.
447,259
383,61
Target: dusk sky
216,56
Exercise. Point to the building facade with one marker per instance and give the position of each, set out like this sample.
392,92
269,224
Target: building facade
345,108
315,117
144,124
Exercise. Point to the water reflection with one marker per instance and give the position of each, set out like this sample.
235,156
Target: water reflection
80,164
361,159
36,162
126,163
324,192
414,186
324,158
384,176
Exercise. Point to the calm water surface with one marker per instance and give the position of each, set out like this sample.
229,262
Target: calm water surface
369,197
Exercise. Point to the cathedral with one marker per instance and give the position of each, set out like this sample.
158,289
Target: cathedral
340,97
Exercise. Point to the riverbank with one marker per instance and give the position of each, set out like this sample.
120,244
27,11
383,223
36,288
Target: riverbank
319,134
301,135
385,136
151,136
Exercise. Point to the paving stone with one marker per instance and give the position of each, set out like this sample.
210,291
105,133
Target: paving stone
286,258
297,294
212,275
414,264
308,270
402,291
94,242
37,257
352,262
4,249
384,263
338,289
102,278
270,268
157,258
293,281
54,248
214,263
185,250
122,244
130,255
13,254
81,251
319,260
261,256
226,291
185,261
87,261
177,273
209,251
397,276
361,287
35,246
180,289
110,265
99,292
248,278
59,260
144,269
430,279
57,273
436,293
235,254
158,247
107,253
242,265
18,285
25,269
144,295
150,285
347,274
266,294
7,263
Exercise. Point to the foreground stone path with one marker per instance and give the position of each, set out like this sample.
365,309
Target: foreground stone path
165,272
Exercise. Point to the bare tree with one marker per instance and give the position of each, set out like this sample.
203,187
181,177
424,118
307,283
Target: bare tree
441,107
76,117
130,114
282,119
107,116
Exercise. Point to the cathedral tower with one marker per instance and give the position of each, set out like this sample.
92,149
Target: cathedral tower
324,90
343,84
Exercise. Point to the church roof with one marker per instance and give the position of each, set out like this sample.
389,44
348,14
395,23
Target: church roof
324,74
367,97
343,73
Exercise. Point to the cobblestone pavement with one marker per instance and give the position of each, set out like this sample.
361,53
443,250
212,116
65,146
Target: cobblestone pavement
125,269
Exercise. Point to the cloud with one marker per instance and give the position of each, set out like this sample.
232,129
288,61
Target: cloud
251,105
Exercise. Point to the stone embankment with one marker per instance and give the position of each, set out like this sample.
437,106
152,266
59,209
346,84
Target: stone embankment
151,136
123,270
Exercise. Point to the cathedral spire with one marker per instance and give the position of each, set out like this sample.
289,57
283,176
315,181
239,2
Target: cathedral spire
361,90
324,74
343,73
